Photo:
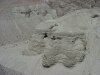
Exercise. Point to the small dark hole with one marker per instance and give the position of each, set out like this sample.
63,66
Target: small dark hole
51,27
53,38
70,66
45,66
94,16
45,35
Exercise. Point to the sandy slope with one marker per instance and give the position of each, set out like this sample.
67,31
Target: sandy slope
8,28
13,31
7,71
11,55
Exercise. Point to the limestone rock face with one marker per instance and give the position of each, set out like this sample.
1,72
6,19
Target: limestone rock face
64,40
63,47
64,6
